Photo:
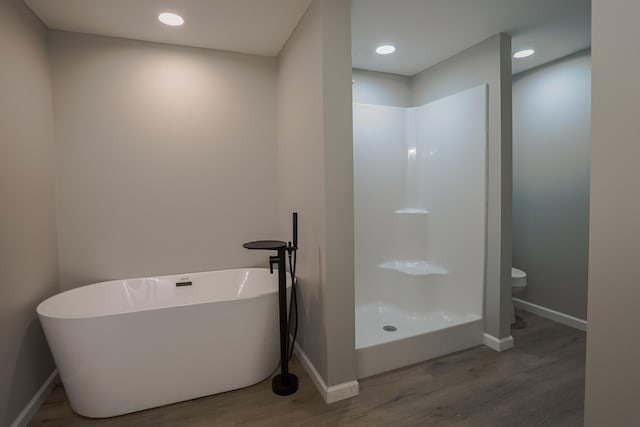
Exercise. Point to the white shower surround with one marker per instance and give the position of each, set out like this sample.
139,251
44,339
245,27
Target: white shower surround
420,229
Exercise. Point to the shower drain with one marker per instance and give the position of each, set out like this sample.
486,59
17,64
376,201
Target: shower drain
389,328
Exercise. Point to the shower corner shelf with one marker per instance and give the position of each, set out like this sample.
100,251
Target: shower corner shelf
414,268
412,211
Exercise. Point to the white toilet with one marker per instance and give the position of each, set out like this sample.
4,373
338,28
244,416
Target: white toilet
518,281
518,284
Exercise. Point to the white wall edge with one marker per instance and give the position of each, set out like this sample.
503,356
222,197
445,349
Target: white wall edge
24,418
330,394
497,344
550,314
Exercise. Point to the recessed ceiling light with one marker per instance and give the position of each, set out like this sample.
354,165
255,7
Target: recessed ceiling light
523,53
171,19
385,49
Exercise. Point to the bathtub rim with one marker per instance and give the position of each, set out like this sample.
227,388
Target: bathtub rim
142,310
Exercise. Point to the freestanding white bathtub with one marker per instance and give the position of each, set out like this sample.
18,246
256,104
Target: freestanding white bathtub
127,345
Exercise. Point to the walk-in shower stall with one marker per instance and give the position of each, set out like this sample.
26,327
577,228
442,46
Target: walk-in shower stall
420,221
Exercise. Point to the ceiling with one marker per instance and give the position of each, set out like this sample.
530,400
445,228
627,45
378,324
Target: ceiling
425,32
258,27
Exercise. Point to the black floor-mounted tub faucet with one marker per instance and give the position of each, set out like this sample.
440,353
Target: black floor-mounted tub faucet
284,383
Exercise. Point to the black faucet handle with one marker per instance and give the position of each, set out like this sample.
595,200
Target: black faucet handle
273,260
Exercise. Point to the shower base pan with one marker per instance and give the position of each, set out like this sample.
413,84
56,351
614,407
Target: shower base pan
388,337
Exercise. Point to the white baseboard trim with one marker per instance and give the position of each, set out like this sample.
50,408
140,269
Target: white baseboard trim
556,316
330,394
497,344
24,417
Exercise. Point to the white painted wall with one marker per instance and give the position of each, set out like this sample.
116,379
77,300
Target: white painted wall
28,248
551,162
315,179
613,344
166,157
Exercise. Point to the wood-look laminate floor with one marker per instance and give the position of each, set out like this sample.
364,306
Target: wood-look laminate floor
540,382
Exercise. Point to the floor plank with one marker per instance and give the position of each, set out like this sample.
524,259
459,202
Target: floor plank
540,382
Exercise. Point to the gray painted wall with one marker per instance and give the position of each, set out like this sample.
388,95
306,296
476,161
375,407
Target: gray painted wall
166,157
28,251
551,162
315,150
301,183
338,180
371,87
487,62
613,344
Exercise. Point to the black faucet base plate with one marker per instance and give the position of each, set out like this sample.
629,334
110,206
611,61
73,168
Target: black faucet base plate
284,385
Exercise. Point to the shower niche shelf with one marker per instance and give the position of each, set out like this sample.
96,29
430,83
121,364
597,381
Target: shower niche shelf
412,211
413,268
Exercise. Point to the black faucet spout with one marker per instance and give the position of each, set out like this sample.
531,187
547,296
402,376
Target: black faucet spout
273,260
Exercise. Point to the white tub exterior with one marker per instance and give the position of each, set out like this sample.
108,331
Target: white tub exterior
127,345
